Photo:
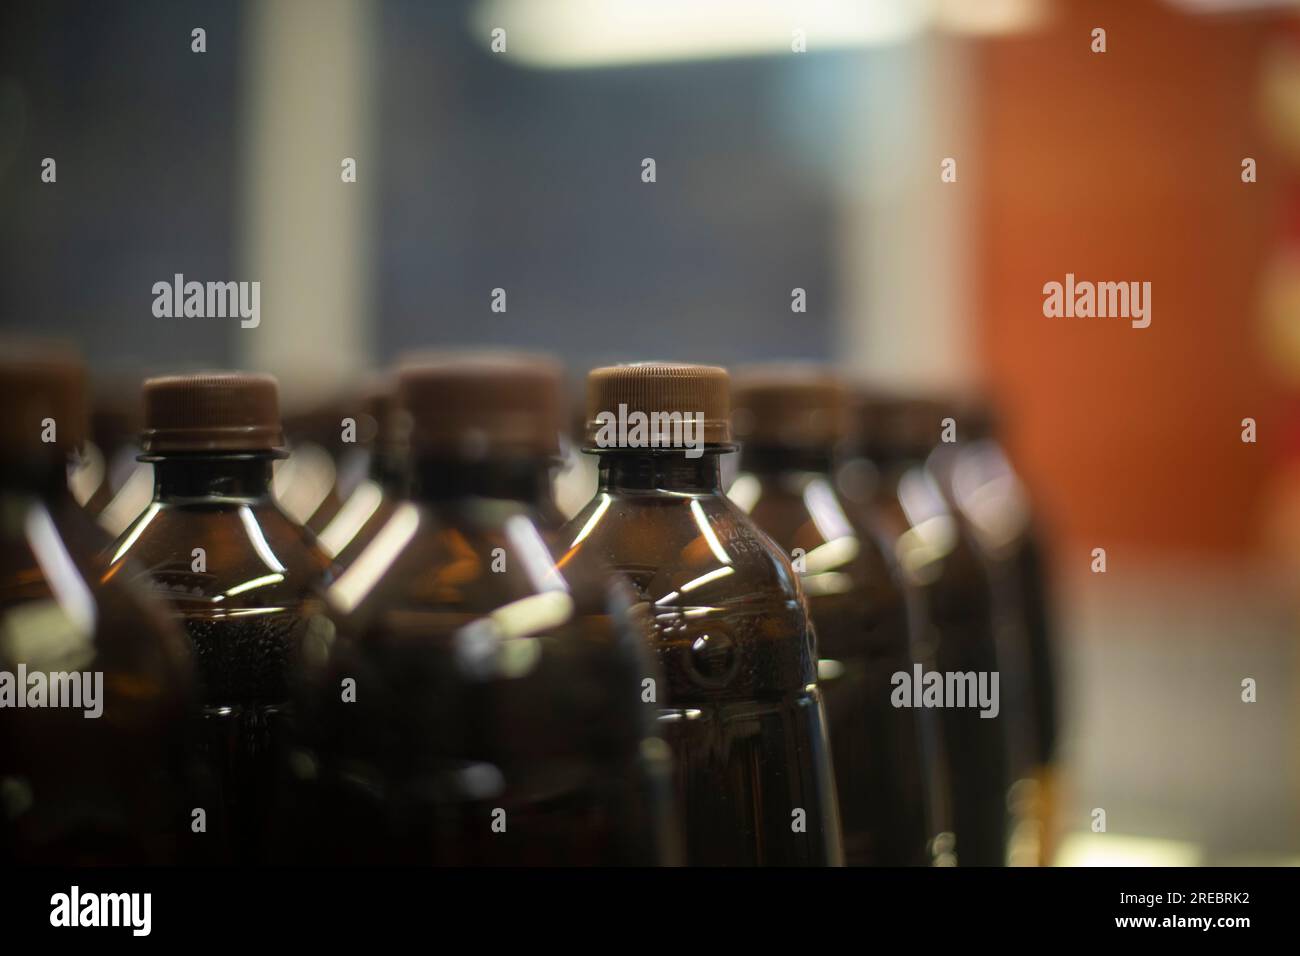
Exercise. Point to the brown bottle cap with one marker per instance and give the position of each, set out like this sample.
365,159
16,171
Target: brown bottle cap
317,420
650,389
211,412
793,405
482,405
892,425
43,395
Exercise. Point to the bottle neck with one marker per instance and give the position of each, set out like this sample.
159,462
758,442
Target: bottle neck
774,460
638,471
216,477
436,480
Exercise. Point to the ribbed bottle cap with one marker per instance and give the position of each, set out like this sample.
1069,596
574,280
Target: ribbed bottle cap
43,397
211,412
620,397
791,405
482,405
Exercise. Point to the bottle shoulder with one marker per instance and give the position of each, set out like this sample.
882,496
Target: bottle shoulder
729,615
669,542
245,555
449,570
854,587
824,533
62,608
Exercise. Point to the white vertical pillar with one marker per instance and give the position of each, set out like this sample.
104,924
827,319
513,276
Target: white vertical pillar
308,104
906,263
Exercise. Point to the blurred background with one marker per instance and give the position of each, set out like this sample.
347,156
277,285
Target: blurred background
521,169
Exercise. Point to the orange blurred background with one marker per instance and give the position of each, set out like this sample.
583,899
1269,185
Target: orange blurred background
1128,167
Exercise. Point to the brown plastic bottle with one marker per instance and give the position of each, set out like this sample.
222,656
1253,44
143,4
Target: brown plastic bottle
791,419
239,576
893,481
739,704
993,504
497,715
77,789
372,476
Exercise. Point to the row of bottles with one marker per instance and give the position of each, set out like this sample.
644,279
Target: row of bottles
410,652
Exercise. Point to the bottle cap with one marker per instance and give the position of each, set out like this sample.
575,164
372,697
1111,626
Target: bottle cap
43,394
657,406
793,405
482,405
223,412
890,426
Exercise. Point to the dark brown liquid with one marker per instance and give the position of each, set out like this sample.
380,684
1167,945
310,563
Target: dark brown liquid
245,613
108,790
246,721
498,715
956,603
886,762
739,703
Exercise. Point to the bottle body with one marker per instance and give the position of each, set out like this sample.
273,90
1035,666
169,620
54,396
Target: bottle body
888,760
941,563
241,579
994,508
498,717
740,705
107,780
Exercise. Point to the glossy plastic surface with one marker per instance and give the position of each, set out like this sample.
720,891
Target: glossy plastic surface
365,508
240,577
75,790
739,704
993,505
940,561
498,714
887,763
